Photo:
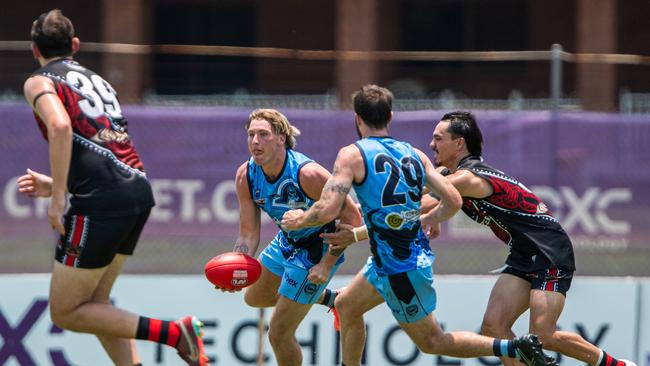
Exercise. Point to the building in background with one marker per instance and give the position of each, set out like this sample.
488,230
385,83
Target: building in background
581,26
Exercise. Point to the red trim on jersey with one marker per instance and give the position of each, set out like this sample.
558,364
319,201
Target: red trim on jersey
71,256
155,326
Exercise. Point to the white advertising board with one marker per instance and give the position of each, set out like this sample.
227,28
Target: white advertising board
644,323
600,309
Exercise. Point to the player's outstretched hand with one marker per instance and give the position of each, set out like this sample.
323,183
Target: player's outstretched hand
341,239
34,184
291,219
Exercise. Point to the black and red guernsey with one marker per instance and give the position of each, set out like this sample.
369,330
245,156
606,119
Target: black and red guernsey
106,175
520,219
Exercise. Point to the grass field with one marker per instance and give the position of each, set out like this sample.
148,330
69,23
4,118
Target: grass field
187,256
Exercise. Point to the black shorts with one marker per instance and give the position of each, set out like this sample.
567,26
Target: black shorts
93,241
553,279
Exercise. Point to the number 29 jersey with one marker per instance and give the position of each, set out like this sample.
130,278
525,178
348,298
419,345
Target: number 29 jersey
390,196
106,176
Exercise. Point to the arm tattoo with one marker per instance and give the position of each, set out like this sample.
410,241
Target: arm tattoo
240,248
313,215
336,188
336,252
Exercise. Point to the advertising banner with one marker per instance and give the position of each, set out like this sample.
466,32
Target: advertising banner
589,168
603,311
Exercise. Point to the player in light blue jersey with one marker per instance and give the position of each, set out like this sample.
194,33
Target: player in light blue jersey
388,177
296,265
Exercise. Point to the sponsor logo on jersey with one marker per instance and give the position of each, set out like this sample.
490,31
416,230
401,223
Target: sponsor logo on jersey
541,208
396,220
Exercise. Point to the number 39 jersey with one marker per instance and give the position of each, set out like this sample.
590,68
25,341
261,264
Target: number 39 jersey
390,196
106,175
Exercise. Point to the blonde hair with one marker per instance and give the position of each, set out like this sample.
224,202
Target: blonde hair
279,123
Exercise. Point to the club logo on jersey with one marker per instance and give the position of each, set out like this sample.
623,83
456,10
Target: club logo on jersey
310,288
412,310
290,196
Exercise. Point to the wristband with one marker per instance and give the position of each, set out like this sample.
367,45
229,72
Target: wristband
354,233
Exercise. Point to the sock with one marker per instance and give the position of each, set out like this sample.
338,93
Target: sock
605,359
159,331
328,298
504,348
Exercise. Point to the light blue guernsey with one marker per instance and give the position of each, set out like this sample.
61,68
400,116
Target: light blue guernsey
390,195
275,197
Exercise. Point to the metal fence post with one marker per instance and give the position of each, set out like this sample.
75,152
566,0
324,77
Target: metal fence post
556,76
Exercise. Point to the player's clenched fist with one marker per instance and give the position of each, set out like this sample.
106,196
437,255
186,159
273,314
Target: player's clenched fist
291,219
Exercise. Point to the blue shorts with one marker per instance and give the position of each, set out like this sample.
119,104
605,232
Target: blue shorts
409,295
292,265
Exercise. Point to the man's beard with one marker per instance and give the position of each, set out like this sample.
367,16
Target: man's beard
358,130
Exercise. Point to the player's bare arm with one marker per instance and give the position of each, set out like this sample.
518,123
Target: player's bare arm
41,95
450,199
469,184
312,180
249,216
332,197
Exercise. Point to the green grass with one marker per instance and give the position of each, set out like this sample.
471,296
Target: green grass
188,256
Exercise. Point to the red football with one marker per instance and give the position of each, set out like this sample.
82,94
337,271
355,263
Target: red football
231,271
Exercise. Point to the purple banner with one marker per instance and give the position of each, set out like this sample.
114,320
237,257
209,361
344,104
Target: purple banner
591,169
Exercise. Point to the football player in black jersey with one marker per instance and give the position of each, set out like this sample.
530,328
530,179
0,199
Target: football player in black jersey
92,158
539,269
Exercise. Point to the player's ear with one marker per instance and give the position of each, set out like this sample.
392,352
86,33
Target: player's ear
75,44
460,143
35,51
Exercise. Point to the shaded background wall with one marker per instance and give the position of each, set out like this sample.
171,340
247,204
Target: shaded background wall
600,26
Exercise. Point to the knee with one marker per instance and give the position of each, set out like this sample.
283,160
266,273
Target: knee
63,318
345,307
254,300
278,336
493,328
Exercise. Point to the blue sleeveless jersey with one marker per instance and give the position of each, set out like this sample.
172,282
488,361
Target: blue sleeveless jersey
283,194
390,197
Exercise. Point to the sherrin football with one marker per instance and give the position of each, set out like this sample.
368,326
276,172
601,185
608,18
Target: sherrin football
232,271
